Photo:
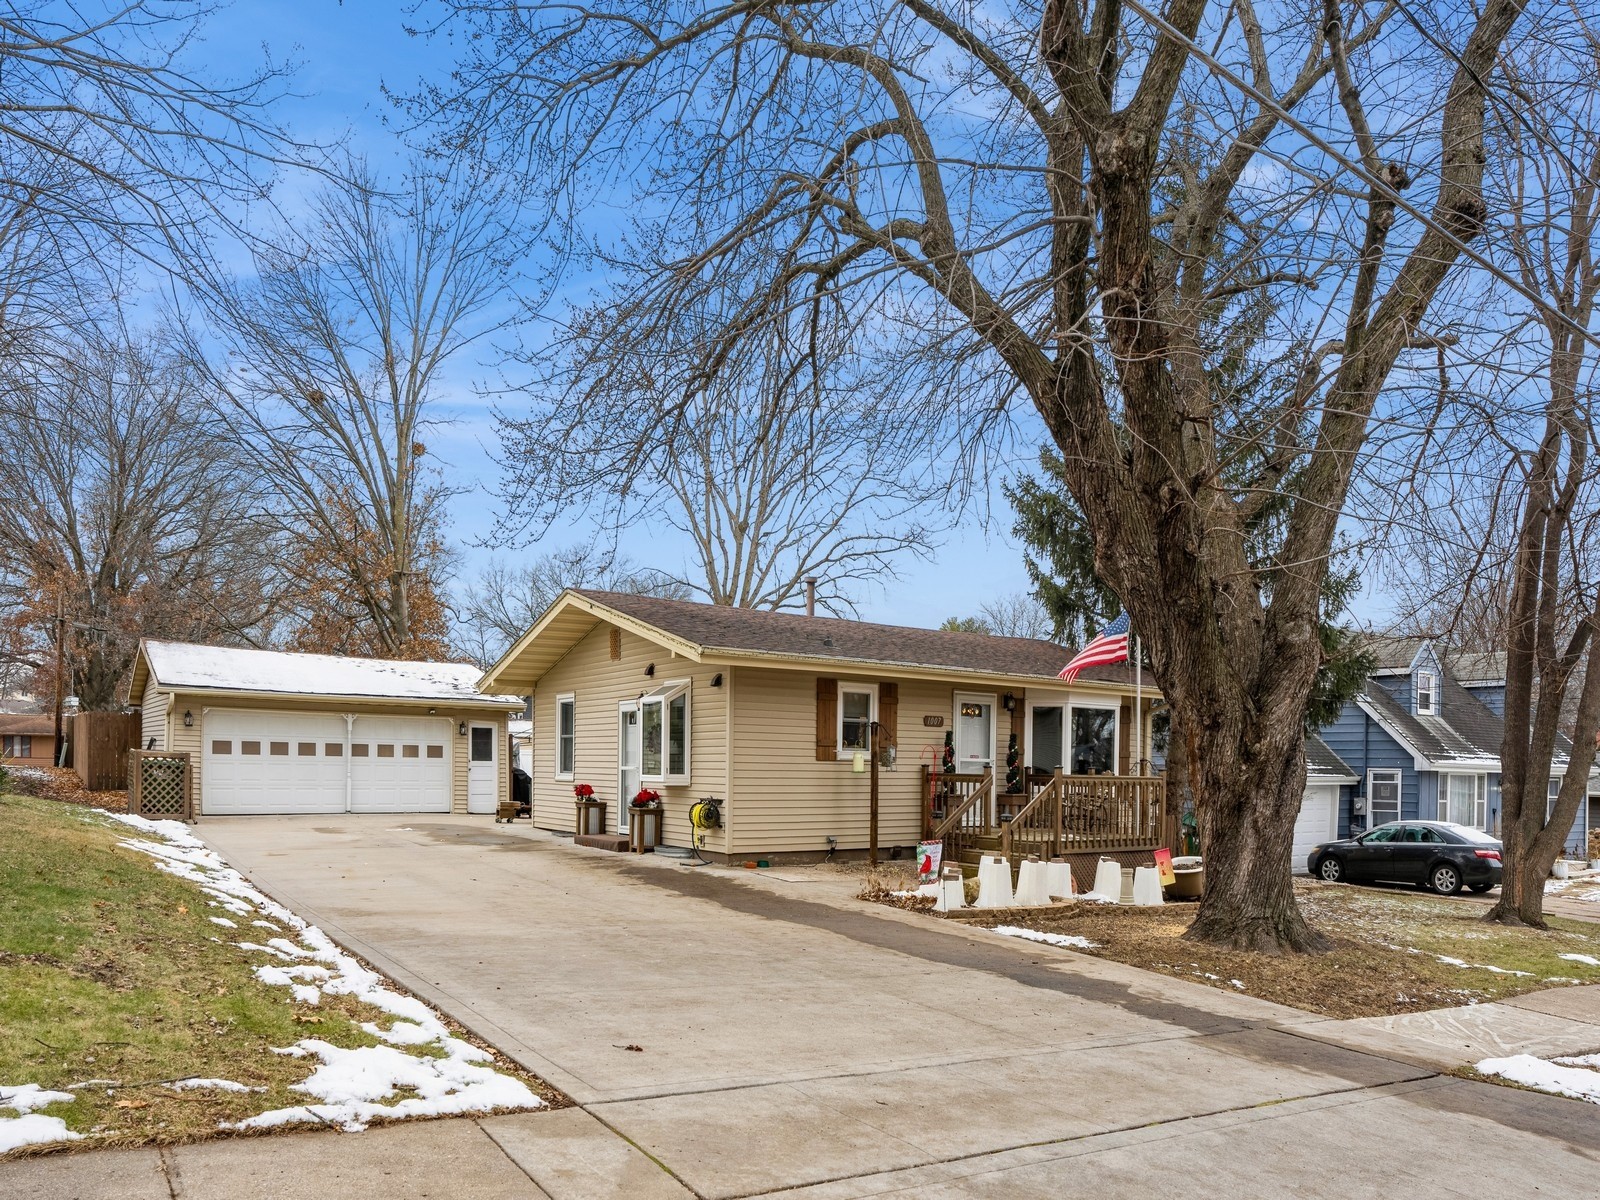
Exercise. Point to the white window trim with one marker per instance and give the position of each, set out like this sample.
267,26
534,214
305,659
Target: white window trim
662,696
1385,775
844,754
1552,794
993,701
1433,694
1480,802
1110,704
568,775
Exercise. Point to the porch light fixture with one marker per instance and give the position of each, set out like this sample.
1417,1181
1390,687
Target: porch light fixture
188,719
1009,701
716,680
461,729
650,671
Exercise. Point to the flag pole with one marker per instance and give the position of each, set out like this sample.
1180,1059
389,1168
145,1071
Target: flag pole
1138,709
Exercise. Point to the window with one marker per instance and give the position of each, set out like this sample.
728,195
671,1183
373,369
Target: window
1555,794
279,748
308,749
1044,741
359,750
385,749
566,736
1384,833
249,747
1383,797
222,746
333,749
858,704
1094,740
1463,799
664,733
1427,693
19,745
410,751
481,747
435,751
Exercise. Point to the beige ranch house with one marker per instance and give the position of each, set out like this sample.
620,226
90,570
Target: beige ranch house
274,732
770,713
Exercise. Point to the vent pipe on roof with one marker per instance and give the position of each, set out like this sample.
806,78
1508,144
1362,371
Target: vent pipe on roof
811,596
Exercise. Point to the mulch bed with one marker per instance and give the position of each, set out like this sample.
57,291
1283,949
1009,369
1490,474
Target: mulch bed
1363,975
63,784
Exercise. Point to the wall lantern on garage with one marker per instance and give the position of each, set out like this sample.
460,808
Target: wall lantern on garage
188,719
461,729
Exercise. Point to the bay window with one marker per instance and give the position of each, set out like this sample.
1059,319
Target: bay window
664,733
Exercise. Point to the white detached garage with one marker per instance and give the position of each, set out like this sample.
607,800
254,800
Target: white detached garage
276,732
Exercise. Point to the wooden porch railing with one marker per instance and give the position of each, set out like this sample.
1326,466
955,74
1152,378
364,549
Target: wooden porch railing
1035,828
959,808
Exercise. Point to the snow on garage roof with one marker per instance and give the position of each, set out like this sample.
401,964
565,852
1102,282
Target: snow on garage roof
183,665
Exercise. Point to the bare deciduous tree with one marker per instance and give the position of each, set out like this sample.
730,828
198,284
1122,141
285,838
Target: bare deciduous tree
1004,185
784,461
335,354
129,515
507,597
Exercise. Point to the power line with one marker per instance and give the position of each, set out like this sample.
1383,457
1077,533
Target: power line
1372,181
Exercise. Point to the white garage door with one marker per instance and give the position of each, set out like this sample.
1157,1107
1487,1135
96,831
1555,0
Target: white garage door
1317,822
269,762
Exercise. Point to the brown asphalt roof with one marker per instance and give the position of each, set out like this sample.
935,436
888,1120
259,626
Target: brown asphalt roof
755,630
33,724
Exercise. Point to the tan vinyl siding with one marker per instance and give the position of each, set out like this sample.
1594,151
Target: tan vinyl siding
784,800
192,739
599,684
153,718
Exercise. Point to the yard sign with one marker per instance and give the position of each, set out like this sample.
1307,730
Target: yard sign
929,855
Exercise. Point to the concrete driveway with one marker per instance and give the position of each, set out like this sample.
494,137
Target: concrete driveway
791,1038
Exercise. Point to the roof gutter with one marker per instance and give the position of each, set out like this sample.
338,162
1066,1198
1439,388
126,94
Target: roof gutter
509,704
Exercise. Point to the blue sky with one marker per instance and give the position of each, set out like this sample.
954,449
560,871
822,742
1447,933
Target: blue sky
347,52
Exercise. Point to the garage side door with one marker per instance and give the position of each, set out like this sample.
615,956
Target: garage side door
1318,819
267,762
400,764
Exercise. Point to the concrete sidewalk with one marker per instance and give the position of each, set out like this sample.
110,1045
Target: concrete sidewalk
795,1039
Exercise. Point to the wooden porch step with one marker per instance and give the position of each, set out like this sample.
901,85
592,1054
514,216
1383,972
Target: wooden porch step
603,841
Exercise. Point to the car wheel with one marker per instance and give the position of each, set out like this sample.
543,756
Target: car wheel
1445,879
1479,887
1330,869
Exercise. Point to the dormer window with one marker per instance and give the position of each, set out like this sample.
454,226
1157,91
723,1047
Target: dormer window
1427,693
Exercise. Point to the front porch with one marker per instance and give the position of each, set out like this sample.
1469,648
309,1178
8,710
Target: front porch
1124,817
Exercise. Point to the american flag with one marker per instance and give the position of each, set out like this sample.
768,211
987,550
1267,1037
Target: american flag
1110,647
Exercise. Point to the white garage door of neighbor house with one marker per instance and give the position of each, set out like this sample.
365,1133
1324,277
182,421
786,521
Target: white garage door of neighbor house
269,762
1318,820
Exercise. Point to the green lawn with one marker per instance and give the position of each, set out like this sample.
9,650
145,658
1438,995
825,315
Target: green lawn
113,970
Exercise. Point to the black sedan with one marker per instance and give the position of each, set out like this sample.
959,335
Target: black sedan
1436,854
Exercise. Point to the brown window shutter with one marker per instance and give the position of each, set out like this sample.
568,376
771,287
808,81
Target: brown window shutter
888,715
827,720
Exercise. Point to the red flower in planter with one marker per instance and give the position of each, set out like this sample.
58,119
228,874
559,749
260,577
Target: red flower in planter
646,796
583,791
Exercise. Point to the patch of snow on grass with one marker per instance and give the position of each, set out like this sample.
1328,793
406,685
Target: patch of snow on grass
1094,898
1560,1078
449,1081
212,1085
29,1128
224,922
1237,983
351,1082
1585,959
1049,939
1456,962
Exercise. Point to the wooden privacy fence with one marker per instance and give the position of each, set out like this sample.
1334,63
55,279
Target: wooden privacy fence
160,784
100,745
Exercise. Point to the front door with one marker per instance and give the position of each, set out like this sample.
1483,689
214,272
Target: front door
628,757
483,770
974,740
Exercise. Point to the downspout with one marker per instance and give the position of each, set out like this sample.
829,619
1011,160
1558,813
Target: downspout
349,735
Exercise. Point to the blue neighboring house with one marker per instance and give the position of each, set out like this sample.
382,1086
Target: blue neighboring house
1422,741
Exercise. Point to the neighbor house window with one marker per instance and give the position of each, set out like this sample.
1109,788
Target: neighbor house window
1427,693
19,745
1464,799
1383,797
1555,794
858,703
566,736
664,734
